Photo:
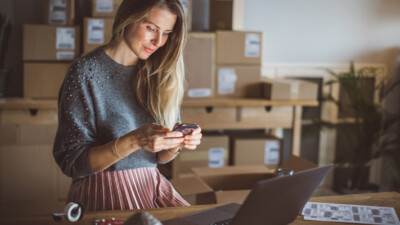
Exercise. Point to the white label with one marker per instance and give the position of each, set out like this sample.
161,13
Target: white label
65,38
65,55
95,31
57,12
252,45
104,6
216,157
199,92
185,4
271,154
294,87
226,81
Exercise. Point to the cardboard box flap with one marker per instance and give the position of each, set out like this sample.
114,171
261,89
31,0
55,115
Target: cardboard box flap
229,182
190,185
229,170
298,164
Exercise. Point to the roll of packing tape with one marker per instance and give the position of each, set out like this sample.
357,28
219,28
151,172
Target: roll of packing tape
73,212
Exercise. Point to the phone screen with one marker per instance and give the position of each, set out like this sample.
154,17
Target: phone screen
186,128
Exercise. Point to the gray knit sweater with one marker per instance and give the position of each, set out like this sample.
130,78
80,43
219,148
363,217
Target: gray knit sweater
97,104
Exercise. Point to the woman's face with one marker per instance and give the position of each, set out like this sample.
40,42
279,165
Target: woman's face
152,33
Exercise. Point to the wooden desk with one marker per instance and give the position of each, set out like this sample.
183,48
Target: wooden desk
389,199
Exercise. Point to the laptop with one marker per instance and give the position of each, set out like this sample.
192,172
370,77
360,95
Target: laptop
277,200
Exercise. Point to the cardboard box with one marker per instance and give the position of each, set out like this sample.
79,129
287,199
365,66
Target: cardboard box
210,118
194,190
221,13
43,80
239,47
212,152
199,57
59,12
236,81
287,89
96,32
256,149
225,15
50,43
105,8
233,183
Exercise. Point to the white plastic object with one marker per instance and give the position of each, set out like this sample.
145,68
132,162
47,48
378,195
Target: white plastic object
73,212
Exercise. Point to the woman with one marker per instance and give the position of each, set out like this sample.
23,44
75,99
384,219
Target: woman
116,108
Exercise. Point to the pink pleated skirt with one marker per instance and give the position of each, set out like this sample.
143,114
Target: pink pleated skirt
140,188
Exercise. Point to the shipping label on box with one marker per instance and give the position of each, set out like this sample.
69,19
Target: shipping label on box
252,45
226,80
58,12
216,157
95,31
65,38
65,55
104,6
199,92
272,152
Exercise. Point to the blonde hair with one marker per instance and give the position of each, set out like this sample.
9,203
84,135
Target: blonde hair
160,79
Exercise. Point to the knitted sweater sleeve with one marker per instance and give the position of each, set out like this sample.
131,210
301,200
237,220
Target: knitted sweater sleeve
77,131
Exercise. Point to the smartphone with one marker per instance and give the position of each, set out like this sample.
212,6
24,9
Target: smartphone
186,128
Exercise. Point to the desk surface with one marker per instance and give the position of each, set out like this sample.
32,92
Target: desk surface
27,103
389,199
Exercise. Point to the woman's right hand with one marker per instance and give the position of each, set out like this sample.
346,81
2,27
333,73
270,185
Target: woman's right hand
155,138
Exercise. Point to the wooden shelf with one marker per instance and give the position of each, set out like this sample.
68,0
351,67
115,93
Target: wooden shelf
246,102
28,103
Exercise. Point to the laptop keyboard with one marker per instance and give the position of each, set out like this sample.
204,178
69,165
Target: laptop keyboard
224,222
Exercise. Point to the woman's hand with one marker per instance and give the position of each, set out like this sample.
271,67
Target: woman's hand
155,138
192,140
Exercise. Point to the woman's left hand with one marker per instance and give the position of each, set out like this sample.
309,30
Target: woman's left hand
193,139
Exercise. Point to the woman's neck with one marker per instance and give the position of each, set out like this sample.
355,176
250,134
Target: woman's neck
122,54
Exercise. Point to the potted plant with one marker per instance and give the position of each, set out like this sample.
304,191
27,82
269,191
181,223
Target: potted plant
5,29
370,135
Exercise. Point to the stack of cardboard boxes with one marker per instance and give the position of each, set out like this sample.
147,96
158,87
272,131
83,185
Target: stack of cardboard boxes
227,64
49,48
220,64
223,64
212,152
97,29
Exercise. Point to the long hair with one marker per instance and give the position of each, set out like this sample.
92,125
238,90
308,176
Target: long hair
160,79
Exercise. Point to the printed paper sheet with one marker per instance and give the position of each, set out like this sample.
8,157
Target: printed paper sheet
345,213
